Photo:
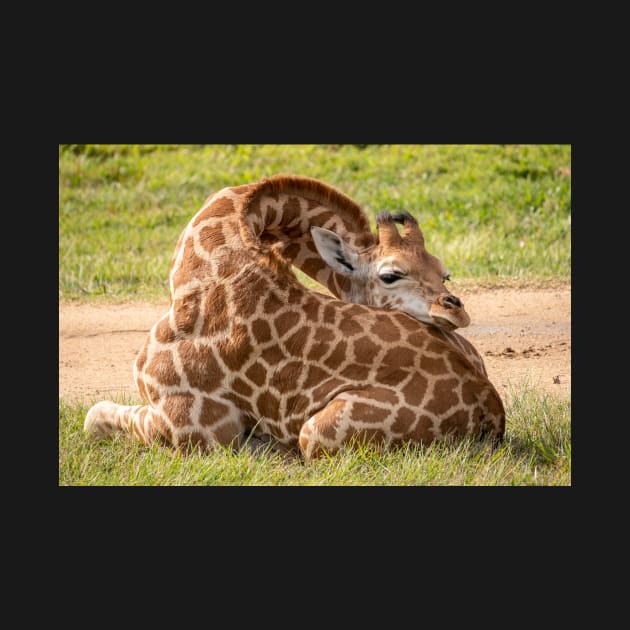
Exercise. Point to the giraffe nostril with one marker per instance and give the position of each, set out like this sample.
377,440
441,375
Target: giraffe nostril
453,301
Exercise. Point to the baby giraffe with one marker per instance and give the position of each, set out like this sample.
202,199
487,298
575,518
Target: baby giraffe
244,346
311,224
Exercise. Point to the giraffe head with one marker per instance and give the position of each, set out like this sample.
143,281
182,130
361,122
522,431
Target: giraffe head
396,272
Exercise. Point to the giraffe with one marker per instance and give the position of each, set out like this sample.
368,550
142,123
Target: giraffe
245,347
309,222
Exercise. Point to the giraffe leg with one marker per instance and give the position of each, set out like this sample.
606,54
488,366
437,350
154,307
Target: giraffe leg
142,422
332,427
217,422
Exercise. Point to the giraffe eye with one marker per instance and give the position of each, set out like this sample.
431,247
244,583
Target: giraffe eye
388,278
447,277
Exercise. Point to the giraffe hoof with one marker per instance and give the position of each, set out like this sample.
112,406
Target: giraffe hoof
99,419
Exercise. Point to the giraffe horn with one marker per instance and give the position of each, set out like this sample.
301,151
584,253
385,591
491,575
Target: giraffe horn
411,229
387,231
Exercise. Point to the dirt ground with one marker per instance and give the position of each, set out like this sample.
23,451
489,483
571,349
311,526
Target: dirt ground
524,335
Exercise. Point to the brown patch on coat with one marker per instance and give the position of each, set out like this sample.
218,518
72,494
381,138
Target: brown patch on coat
286,379
177,408
211,238
249,287
355,310
241,403
349,326
311,309
297,405
310,245
295,295
405,418
261,331
270,214
162,426
227,433
337,356
470,389
444,396
215,312
367,435
437,347
327,388
324,334
400,357
423,431
493,401
362,412
417,339
356,372
456,423
321,340
272,303
186,312
327,422
273,355
389,375
294,345
385,329
200,365
291,210
191,441
291,250
433,366
191,266
212,411
381,394
285,322
407,322
415,389
365,350
257,373
153,396
162,368
268,405
312,266
241,387
222,207
236,349
242,189
317,351
329,314
163,331
315,376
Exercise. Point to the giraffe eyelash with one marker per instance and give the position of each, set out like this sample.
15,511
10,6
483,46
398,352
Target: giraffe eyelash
389,278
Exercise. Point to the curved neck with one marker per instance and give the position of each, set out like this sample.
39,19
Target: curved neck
280,211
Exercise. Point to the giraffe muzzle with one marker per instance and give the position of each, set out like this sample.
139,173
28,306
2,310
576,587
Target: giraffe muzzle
448,312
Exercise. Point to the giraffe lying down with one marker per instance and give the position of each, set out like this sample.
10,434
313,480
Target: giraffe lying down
244,347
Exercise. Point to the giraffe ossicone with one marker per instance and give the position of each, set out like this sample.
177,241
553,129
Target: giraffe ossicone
244,347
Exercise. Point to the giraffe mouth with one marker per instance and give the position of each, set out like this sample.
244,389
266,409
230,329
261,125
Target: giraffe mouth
448,312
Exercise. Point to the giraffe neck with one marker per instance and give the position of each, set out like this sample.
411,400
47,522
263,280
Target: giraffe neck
280,211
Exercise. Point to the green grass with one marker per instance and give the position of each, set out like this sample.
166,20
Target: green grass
536,451
494,214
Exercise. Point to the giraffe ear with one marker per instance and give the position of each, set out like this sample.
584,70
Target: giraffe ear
334,251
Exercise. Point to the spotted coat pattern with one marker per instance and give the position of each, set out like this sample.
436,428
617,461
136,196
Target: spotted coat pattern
245,347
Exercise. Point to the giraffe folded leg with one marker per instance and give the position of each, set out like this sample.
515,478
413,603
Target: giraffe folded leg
142,422
217,422
332,427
